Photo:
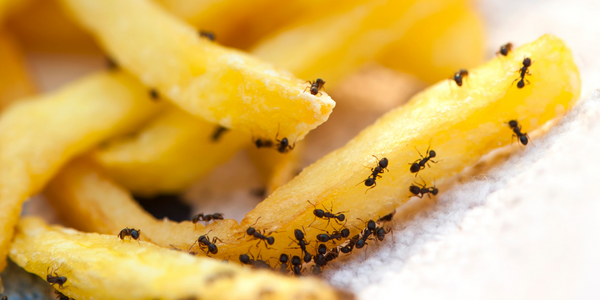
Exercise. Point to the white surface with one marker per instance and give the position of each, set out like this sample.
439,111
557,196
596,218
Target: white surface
529,229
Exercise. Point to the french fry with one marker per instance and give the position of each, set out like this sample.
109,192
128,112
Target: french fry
38,135
168,154
356,35
240,24
9,6
459,123
15,82
449,37
220,85
104,267
43,27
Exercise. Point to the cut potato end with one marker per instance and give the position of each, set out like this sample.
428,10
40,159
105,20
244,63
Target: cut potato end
38,135
220,85
105,267
459,123
168,154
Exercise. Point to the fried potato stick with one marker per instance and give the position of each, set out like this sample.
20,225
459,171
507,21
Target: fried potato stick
459,123
334,45
104,267
169,153
38,135
218,84
15,82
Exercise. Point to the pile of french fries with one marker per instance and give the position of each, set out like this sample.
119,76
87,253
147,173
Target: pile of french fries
176,104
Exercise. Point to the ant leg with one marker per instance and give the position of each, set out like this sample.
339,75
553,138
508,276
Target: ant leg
374,185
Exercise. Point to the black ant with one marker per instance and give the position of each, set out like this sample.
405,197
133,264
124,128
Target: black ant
336,235
505,49
299,235
331,255
420,190
327,214
419,164
59,296
458,76
207,218
297,265
283,261
315,86
53,278
322,249
369,228
283,145
349,245
522,72
131,233
263,143
153,94
268,240
255,263
387,218
219,131
516,128
320,260
372,179
380,232
207,34
204,241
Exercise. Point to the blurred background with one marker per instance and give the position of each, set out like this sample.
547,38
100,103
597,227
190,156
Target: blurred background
498,235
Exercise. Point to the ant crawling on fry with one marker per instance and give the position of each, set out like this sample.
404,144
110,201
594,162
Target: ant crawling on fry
131,233
458,76
53,278
315,86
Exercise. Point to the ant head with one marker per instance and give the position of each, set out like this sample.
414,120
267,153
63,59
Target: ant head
322,249
298,234
371,225
270,240
345,232
520,84
513,123
320,81
245,259
383,163
370,181
527,62
284,142
432,153
434,191
414,189
319,213
296,261
250,231
524,140
323,237
341,217
258,143
414,168
284,258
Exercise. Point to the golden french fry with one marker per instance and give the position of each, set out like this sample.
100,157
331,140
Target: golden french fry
15,82
104,267
459,123
220,85
448,38
38,135
44,27
240,24
356,35
168,154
